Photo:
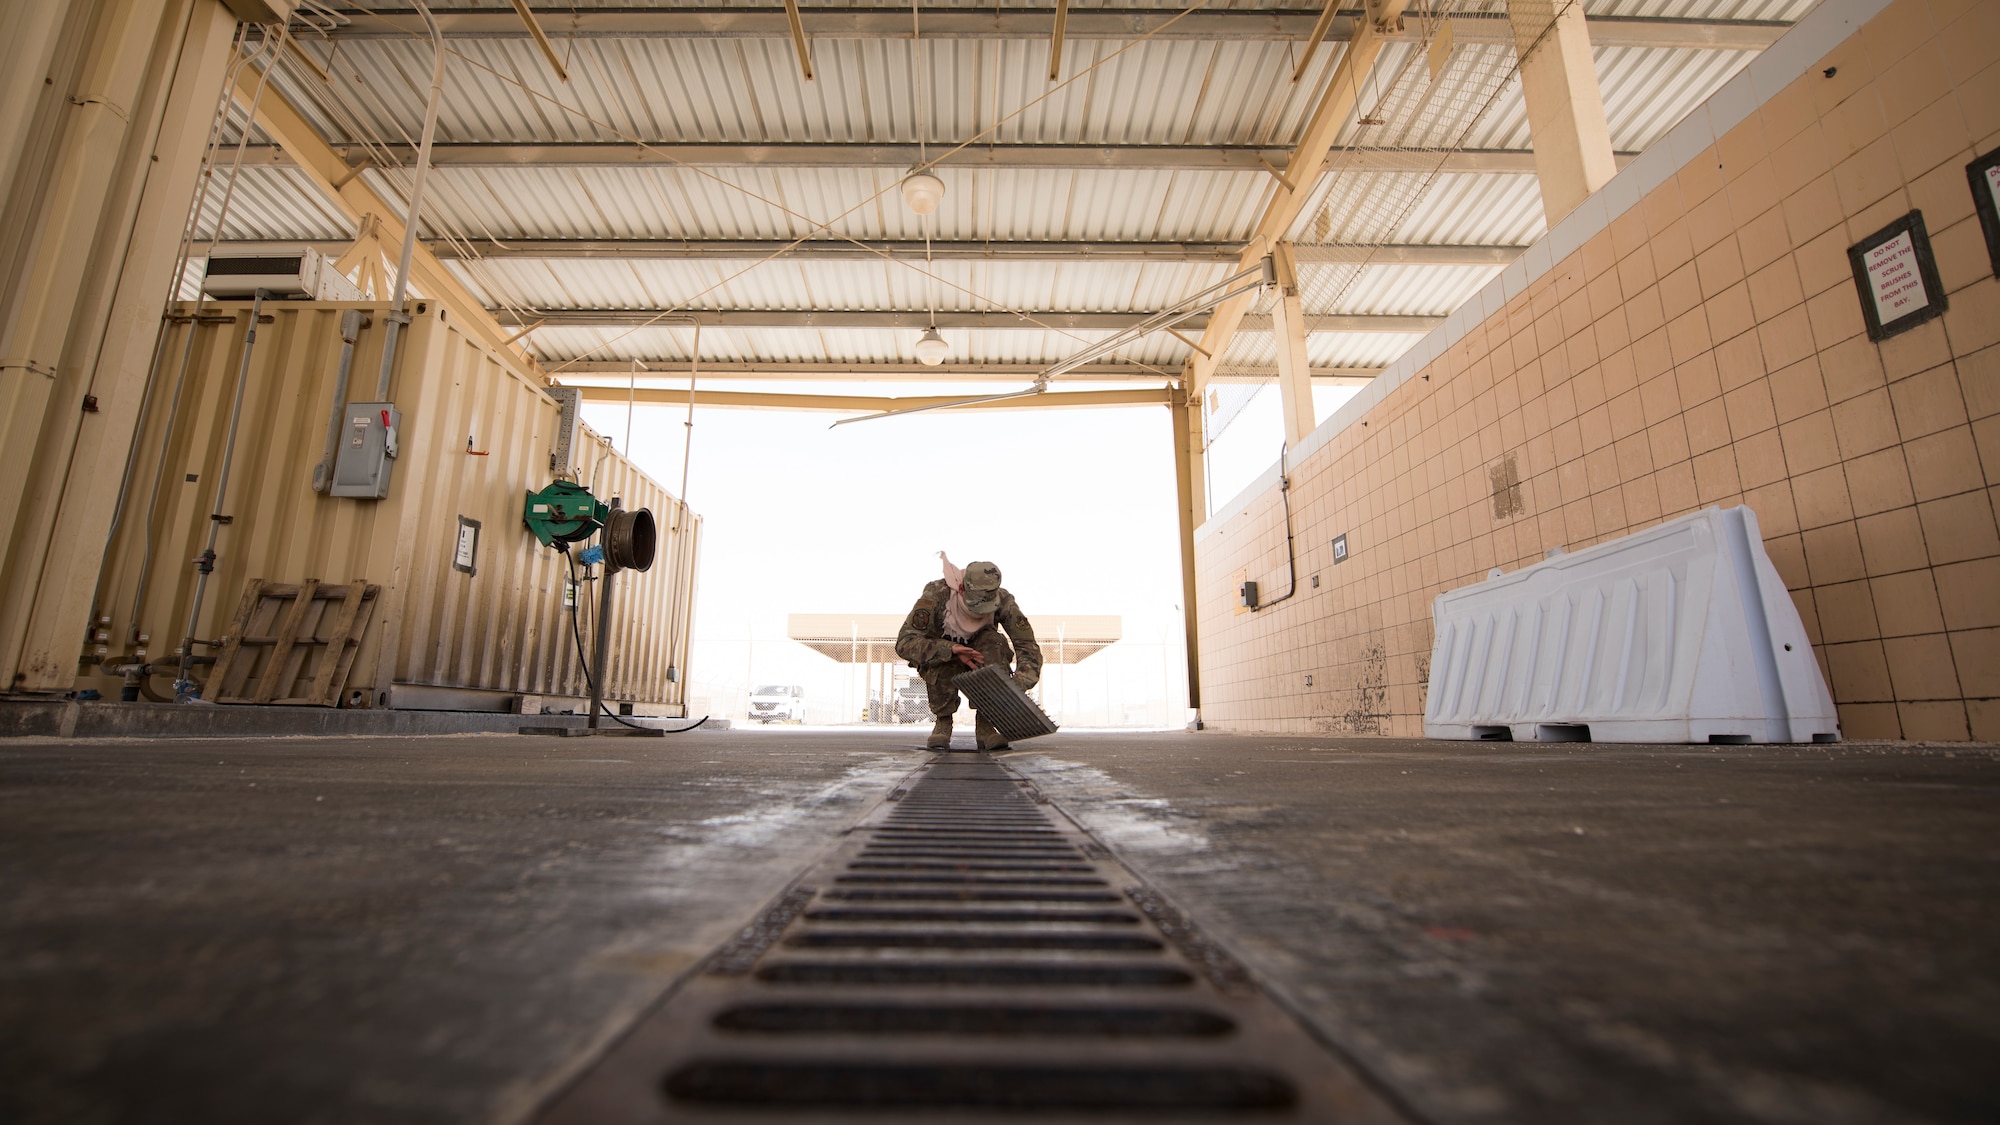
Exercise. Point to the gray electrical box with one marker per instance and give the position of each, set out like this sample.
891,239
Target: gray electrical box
367,450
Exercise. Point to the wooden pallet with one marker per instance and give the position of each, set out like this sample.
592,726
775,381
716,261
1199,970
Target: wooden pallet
291,643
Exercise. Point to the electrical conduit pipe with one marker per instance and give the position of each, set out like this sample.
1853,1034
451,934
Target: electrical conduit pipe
397,318
204,563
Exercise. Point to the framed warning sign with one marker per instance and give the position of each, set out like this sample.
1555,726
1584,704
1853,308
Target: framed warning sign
1985,176
1897,277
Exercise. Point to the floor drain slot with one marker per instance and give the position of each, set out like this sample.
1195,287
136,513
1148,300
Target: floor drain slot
968,952
971,917
964,894
972,939
977,865
972,879
961,973
973,1019
978,1086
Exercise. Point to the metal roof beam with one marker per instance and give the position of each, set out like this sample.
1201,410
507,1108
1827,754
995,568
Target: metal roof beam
750,250
918,320
1051,253
1145,158
603,372
869,404
1031,23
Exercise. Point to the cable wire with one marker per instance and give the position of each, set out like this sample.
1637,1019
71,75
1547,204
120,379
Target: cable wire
576,632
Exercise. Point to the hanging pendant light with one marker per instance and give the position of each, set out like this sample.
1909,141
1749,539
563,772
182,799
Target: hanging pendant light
931,348
923,192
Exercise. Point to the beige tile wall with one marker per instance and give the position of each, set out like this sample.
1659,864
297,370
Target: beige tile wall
1706,348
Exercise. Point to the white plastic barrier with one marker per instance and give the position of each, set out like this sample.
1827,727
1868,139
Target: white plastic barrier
1679,633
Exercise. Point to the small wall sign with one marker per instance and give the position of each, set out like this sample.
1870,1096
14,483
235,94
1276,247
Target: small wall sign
1340,548
1985,176
466,557
1897,277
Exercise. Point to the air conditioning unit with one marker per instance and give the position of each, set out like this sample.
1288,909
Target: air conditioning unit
261,11
1682,632
306,275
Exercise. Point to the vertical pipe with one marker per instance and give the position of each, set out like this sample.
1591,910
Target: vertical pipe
631,394
205,562
350,331
683,612
396,317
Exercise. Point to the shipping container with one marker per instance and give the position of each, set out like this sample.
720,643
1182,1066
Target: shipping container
478,432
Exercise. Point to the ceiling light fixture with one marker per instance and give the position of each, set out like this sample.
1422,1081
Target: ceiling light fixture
923,192
931,348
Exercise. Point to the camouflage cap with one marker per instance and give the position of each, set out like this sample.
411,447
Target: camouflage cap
982,587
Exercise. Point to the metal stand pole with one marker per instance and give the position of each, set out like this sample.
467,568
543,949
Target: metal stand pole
602,642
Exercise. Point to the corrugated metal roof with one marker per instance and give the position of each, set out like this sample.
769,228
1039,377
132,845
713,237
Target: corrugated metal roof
270,204
790,283
1391,290
750,90
838,345
1646,91
943,92
1458,209
1258,350
752,203
1703,9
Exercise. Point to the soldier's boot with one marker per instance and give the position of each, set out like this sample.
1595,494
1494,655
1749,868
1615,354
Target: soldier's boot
940,738
986,737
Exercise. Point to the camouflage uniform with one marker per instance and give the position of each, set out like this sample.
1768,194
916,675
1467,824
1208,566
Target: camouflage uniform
922,642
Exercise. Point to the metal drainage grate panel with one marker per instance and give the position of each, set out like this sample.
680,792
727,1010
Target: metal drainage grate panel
968,952
1000,701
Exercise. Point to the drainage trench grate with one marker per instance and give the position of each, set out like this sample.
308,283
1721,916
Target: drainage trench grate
968,952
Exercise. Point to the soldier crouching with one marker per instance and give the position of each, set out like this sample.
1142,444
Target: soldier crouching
957,626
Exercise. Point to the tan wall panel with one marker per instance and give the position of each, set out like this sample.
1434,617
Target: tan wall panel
1705,348
502,629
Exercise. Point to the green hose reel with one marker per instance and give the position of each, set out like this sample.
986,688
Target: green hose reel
564,513
567,513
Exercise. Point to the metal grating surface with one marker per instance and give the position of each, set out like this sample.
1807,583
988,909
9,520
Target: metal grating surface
1001,702
968,953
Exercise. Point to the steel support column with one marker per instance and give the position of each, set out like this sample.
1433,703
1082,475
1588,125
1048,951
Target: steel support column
1572,142
1288,323
1191,503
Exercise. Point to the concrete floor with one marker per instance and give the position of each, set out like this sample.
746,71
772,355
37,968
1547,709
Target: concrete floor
447,928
